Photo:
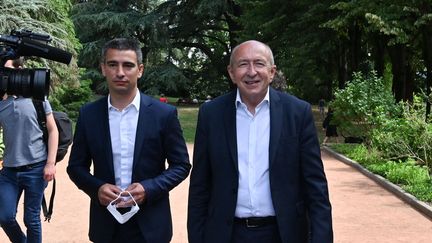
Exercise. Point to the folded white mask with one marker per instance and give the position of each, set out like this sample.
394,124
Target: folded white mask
122,218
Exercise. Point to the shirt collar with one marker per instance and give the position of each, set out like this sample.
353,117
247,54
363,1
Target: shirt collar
238,100
135,102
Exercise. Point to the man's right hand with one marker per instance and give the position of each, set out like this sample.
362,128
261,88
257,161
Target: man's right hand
107,193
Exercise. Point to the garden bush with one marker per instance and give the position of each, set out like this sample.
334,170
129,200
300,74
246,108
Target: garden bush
69,99
408,175
363,105
359,153
406,137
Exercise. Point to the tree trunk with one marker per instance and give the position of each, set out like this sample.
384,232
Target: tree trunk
427,57
409,83
331,68
378,54
398,59
355,49
342,65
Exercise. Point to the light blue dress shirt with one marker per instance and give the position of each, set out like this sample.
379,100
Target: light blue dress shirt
123,127
253,137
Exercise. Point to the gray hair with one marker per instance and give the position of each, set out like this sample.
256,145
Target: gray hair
268,49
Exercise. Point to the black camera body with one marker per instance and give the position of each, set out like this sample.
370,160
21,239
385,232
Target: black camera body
27,82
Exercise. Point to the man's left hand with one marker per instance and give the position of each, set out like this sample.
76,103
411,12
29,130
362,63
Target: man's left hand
138,193
49,171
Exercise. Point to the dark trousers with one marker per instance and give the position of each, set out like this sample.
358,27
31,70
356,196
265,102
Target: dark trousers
128,232
264,234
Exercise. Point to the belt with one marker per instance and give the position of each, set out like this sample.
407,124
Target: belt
254,222
27,167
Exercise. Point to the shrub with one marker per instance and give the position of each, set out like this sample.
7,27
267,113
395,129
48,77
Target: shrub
69,99
363,105
408,136
411,177
421,191
359,153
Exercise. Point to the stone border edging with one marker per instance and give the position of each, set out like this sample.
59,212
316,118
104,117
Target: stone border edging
420,206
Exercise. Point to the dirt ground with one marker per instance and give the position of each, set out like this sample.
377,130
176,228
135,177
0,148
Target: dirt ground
363,212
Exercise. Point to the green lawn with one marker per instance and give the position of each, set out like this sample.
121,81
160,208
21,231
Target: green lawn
188,118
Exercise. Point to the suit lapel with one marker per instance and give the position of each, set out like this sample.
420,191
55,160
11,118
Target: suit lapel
230,127
143,121
276,111
105,132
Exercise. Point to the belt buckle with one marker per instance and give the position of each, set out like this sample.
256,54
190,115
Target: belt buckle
250,225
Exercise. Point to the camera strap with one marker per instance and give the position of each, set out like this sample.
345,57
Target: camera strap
41,117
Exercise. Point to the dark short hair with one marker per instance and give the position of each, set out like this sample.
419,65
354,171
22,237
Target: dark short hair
123,44
17,63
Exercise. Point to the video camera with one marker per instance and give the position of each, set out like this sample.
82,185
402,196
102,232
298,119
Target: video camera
27,82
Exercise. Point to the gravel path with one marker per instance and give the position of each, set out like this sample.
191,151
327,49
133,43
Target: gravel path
363,212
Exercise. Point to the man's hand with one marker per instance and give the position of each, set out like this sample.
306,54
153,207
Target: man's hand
49,171
138,193
107,193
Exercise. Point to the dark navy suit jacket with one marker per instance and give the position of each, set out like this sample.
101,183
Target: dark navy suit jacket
159,138
297,181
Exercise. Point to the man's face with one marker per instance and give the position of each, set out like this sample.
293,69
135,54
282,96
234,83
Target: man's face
121,71
251,71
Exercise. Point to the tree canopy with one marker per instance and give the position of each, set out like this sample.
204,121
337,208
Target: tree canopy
318,45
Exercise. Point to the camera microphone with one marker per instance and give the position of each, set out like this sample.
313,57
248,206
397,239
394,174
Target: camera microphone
28,47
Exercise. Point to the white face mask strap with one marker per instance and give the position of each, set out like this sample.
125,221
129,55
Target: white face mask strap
118,196
131,197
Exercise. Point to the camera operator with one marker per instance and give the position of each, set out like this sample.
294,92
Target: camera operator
27,165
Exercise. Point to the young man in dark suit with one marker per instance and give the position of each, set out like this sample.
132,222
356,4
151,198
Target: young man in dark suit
257,172
126,138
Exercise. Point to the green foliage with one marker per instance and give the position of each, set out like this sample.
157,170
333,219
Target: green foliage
412,178
29,14
407,136
303,51
166,79
358,152
69,99
181,40
421,191
364,105
408,174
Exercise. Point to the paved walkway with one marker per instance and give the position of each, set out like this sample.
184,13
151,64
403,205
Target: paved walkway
363,212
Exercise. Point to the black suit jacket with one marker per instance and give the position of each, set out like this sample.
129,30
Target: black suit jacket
297,180
159,138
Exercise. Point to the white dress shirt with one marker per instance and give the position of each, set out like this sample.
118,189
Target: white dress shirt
253,136
123,126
